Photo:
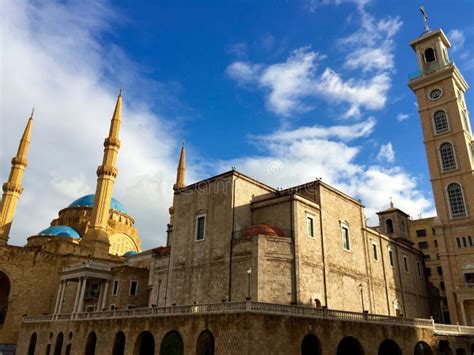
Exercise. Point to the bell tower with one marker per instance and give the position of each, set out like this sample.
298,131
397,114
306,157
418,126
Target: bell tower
439,88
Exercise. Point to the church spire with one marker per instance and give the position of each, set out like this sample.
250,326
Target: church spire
12,188
96,236
180,176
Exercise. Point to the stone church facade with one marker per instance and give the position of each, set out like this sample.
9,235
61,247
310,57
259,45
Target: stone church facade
246,267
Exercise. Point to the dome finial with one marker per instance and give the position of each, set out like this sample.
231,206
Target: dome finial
425,18
391,203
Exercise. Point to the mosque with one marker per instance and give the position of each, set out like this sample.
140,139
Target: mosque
248,268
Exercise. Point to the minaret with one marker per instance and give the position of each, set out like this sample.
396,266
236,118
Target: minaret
12,188
439,87
180,180
96,236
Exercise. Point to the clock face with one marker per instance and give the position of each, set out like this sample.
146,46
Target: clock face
435,94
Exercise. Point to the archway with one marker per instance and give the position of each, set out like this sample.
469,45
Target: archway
172,344
145,344
460,351
389,347
58,347
91,343
119,344
205,343
350,346
32,346
443,347
421,348
5,286
310,345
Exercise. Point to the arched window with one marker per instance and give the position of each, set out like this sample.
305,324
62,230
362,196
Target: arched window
32,346
145,344
429,55
317,303
460,351
350,345
119,344
456,200
446,153
91,343
389,224
421,348
172,343
440,121
4,292
58,347
389,347
68,349
444,348
310,345
205,343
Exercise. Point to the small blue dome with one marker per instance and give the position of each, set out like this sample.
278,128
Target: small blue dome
130,253
60,231
88,201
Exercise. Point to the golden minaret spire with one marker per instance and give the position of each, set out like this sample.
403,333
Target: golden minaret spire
96,236
12,188
180,181
180,176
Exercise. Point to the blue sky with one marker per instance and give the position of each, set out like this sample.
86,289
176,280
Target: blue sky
285,91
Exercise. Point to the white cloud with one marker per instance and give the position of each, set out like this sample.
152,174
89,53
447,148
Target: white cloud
243,72
402,117
386,153
457,38
52,58
370,59
312,5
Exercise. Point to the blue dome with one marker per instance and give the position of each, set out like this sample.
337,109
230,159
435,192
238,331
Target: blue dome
60,231
130,253
88,201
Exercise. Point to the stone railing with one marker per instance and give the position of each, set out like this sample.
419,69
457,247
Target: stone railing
430,69
260,308
88,264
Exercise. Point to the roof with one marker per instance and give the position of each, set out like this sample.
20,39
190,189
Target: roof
88,201
60,231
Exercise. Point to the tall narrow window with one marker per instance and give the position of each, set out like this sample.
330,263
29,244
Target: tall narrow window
470,240
374,251
345,237
200,227
115,287
458,243
389,225
310,225
456,200
390,256
446,152
440,121
405,263
464,242
133,288
418,267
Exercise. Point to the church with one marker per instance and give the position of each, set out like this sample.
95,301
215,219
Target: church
248,268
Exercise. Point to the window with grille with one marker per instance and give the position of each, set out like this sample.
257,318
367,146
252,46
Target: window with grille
446,152
310,225
456,200
440,121
422,245
421,232
345,238
200,227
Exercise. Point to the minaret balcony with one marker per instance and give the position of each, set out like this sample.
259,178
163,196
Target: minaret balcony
430,69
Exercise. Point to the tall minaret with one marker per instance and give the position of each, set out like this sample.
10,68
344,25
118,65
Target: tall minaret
180,180
439,88
12,188
96,236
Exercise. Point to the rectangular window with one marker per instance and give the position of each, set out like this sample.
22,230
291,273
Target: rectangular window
421,233
436,243
442,286
428,271
310,225
426,256
422,245
115,287
440,270
345,238
133,288
200,227
418,268
405,263
374,251
390,256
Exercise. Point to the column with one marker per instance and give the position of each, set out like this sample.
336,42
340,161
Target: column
61,298
78,291
463,313
58,297
81,297
104,299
